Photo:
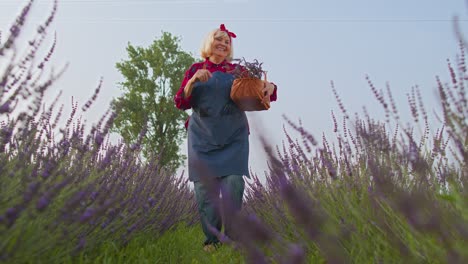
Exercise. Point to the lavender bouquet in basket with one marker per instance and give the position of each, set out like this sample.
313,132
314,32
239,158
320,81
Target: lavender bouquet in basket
246,90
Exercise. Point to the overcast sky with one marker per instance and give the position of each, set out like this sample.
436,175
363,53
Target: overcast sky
303,44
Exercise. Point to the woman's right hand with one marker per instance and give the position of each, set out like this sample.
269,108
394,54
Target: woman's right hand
200,75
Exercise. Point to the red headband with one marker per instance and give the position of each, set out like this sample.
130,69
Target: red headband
230,34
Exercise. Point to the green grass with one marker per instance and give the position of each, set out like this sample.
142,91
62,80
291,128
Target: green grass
181,245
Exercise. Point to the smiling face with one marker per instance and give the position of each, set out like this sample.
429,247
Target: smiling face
217,46
221,46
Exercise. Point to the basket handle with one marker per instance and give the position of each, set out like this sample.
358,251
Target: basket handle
265,75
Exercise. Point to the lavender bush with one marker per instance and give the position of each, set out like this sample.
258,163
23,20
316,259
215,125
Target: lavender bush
377,194
62,190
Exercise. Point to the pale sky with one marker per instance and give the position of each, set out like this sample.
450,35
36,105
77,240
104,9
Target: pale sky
303,45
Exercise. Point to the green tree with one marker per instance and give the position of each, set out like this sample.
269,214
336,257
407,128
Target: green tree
152,77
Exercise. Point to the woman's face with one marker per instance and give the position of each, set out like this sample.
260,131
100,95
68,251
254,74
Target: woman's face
221,47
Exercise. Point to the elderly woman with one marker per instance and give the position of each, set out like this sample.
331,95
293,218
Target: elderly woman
218,134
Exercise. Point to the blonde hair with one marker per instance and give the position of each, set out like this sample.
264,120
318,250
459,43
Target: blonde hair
208,42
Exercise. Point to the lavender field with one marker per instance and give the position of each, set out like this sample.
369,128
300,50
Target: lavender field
375,191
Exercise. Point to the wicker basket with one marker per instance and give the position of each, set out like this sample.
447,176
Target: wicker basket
247,93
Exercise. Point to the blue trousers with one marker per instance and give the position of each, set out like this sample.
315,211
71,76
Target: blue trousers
214,210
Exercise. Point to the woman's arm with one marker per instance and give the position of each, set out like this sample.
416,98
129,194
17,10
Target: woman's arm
192,75
181,100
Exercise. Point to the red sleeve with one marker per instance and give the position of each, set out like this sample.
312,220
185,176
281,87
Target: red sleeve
180,101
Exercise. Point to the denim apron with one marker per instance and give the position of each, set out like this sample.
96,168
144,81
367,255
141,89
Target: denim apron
218,136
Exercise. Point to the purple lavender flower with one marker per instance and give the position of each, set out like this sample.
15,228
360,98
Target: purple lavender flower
5,108
88,214
295,255
81,245
11,215
42,203
32,189
15,30
94,195
151,201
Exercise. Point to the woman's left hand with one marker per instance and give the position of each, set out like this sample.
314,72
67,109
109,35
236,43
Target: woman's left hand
267,90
